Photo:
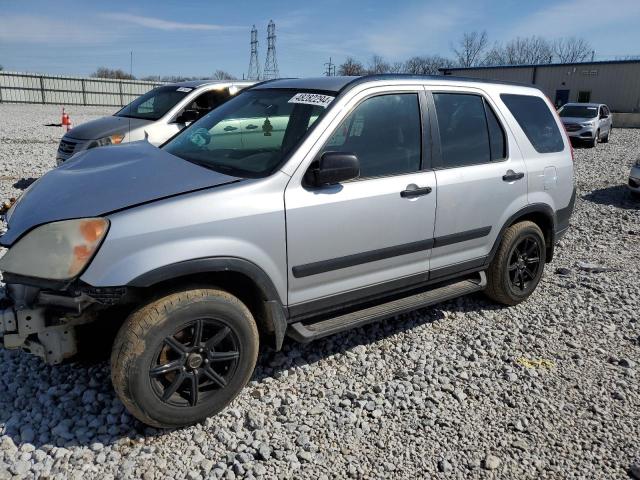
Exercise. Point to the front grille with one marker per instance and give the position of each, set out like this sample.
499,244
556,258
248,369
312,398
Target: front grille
573,127
67,147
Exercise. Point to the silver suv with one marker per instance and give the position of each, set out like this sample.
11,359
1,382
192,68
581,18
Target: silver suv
155,116
587,122
299,208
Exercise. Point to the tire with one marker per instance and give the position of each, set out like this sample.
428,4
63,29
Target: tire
503,279
594,142
606,139
166,375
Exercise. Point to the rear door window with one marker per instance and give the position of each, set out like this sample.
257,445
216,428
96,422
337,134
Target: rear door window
536,120
470,132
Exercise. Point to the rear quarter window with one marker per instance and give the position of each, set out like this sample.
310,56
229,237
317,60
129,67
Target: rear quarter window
536,120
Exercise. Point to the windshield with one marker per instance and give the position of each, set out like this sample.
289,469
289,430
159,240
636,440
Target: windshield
154,104
578,111
250,135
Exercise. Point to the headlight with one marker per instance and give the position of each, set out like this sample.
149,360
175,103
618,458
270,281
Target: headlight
57,250
110,140
587,124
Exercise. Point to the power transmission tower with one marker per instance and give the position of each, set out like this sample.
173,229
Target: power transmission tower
254,64
271,64
331,68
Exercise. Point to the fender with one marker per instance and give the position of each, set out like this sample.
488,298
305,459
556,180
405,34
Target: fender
273,304
538,208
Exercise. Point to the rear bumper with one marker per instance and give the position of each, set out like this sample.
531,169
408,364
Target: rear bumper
563,216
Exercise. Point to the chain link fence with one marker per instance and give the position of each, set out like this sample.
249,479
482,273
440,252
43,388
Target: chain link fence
16,87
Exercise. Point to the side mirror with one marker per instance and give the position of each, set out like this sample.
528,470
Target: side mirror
333,168
604,115
187,116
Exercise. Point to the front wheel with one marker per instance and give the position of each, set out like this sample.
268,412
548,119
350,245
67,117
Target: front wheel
596,137
184,357
517,266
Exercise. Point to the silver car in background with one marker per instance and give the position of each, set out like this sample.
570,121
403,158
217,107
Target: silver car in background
155,116
588,122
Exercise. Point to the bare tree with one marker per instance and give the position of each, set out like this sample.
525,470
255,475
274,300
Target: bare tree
428,65
520,51
1,68
396,67
378,65
104,72
470,48
572,49
351,67
222,75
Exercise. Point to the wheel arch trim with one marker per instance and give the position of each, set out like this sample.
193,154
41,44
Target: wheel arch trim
277,312
534,208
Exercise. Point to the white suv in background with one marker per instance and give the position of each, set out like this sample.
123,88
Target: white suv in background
587,122
156,116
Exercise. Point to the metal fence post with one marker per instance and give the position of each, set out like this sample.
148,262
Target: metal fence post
42,89
84,93
121,99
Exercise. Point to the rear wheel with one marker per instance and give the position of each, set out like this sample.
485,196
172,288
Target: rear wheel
517,267
184,357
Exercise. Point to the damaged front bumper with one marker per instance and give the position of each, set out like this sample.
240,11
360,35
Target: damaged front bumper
44,323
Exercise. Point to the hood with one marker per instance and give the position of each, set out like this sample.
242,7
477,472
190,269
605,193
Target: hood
102,180
105,126
576,120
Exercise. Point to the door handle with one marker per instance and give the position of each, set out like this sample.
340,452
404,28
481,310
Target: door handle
413,190
512,176
230,128
251,127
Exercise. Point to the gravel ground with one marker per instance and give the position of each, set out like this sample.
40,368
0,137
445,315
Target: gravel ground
546,389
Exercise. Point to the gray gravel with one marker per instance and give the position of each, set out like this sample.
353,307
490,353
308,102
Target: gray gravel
547,389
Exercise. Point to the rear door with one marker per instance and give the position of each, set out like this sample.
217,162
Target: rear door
364,234
481,178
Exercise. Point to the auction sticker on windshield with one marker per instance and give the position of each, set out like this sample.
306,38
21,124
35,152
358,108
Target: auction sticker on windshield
184,89
312,99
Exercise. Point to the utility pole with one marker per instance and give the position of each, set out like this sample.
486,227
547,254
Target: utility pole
331,68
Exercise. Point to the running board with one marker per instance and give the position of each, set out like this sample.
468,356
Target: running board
306,331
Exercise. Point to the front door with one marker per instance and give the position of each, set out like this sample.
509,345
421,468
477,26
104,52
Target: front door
365,232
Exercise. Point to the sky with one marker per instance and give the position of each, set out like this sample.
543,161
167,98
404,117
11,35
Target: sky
196,38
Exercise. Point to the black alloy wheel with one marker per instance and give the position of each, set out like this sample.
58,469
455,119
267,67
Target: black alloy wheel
524,263
195,361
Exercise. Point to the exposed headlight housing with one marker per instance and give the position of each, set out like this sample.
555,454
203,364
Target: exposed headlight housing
115,139
57,250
